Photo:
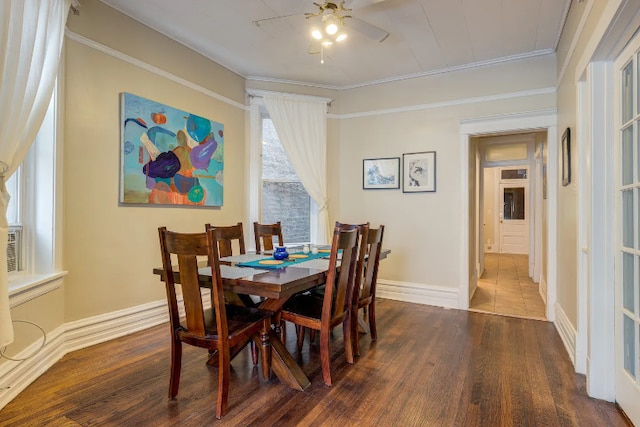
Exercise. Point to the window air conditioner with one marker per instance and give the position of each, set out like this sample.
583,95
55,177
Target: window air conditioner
13,250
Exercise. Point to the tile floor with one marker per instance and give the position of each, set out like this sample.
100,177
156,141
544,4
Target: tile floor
506,288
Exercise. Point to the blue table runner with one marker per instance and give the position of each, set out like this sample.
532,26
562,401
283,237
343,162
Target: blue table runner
285,262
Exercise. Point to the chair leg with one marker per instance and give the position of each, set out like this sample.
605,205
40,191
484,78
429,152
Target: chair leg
312,335
348,342
265,351
300,330
325,358
176,363
254,353
372,320
224,372
354,331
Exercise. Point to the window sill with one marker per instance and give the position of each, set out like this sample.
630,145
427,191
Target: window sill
26,287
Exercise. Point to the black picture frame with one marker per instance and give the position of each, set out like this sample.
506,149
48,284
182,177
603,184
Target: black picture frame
419,172
566,157
381,174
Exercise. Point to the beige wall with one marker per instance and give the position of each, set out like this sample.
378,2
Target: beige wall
110,250
567,224
423,229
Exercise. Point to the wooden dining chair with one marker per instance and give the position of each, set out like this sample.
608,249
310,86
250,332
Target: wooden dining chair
308,311
226,235
222,328
365,297
264,235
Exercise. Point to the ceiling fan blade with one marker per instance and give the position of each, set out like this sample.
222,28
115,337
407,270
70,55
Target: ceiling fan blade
314,47
366,29
274,19
354,4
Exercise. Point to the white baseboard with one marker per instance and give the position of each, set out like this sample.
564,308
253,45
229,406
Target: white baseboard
97,329
16,376
567,332
542,289
440,296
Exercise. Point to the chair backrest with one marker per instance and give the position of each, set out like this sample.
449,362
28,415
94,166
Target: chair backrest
225,235
374,244
362,252
187,247
264,234
338,292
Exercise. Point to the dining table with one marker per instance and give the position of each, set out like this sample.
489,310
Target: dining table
275,283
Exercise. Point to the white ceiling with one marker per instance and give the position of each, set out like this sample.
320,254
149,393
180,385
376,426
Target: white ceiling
426,36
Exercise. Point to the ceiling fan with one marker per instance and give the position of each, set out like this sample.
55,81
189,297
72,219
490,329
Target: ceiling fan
334,12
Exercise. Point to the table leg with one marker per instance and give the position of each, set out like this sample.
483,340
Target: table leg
282,363
285,367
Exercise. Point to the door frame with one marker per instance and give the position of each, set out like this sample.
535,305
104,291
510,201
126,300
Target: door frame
510,123
593,77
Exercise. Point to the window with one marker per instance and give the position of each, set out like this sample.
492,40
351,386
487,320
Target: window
14,252
31,212
513,173
283,196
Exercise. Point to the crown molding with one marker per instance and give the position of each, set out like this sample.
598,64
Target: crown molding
261,94
472,65
151,68
452,103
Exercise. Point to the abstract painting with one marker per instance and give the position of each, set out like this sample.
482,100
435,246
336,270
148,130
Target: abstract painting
419,172
381,173
169,156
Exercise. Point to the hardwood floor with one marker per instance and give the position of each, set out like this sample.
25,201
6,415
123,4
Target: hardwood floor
506,288
429,367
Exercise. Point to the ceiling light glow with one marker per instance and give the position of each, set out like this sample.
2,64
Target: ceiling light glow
331,29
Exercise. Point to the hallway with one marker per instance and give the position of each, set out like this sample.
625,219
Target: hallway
506,288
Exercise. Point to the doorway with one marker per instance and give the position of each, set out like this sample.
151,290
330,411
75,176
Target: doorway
509,243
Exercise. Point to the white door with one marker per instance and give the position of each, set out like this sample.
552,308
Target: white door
627,290
514,218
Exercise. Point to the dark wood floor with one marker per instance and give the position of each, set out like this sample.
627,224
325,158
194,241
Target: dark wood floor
429,367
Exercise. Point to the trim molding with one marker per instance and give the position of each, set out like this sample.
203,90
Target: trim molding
542,289
151,68
16,376
408,76
574,41
452,103
259,93
566,331
440,296
256,92
34,287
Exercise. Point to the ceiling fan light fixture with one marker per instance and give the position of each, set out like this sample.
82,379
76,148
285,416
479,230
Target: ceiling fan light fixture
316,34
331,29
327,43
341,37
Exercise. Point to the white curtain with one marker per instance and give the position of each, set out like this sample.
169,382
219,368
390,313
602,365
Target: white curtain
31,35
301,125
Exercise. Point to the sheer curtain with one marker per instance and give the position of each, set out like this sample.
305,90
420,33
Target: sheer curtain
302,128
31,35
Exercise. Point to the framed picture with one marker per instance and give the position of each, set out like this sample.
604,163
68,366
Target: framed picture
169,156
566,157
419,172
381,173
